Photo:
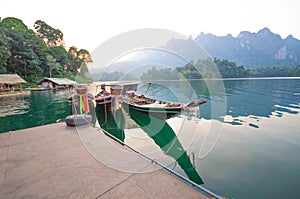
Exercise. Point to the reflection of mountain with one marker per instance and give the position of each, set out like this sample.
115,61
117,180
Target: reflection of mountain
254,97
164,136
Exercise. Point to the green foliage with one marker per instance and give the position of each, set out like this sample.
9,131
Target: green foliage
113,76
189,71
83,69
211,68
34,55
276,72
53,65
84,56
229,69
80,79
160,74
4,53
14,24
51,36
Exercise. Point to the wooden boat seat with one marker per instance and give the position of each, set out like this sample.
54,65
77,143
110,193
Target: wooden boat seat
137,101
153,105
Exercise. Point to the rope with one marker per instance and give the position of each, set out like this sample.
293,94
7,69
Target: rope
148,88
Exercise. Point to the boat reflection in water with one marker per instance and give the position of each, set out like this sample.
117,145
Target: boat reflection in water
108,111
111,121
111,118
164,136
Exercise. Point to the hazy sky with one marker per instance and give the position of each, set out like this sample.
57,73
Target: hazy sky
88,23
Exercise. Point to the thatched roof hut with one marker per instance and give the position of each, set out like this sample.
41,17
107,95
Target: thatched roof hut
11,79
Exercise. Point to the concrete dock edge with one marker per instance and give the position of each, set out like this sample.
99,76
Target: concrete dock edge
51,162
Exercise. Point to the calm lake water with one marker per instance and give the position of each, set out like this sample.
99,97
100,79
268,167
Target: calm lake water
244,144
41,107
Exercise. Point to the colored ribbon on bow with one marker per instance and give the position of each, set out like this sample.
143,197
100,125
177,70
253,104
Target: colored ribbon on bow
84,104
116,104
86,107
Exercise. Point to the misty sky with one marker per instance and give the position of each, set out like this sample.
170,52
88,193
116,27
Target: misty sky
87,24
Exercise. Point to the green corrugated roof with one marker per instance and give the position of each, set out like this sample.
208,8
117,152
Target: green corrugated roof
58,81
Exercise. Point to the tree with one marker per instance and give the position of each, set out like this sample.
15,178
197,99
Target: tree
20,43
34,54
84,56
189,71
52,64
78,59
14,24
83,69
160,74
73,51
51,36
229,69
60,54
4,53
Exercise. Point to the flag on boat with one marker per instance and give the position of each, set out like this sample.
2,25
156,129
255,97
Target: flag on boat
116,104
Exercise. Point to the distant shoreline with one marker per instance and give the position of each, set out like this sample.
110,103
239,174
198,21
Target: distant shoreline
255,78
225,79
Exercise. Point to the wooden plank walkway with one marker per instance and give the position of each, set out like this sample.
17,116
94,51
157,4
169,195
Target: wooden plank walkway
51,161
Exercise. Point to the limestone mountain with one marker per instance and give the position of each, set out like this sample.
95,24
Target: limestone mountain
252,50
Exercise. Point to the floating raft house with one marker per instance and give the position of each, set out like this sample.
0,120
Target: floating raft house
56,83
8,84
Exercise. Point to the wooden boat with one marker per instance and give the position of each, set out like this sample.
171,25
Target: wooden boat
125,95
112,109
109,115
155,107
112,122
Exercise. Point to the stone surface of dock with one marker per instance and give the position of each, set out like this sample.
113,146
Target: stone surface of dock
57,161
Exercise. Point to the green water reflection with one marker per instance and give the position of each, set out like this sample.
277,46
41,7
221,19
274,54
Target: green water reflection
41,107
256,154
158,130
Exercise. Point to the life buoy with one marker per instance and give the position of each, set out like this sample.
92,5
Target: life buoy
78,120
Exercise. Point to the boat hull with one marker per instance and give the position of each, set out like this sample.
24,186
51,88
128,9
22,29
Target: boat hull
164,136
112,122
162,113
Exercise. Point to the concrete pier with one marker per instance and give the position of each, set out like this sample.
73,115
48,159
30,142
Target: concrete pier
51,161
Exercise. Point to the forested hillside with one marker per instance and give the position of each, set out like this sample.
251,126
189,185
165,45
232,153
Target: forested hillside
38,52
225,68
